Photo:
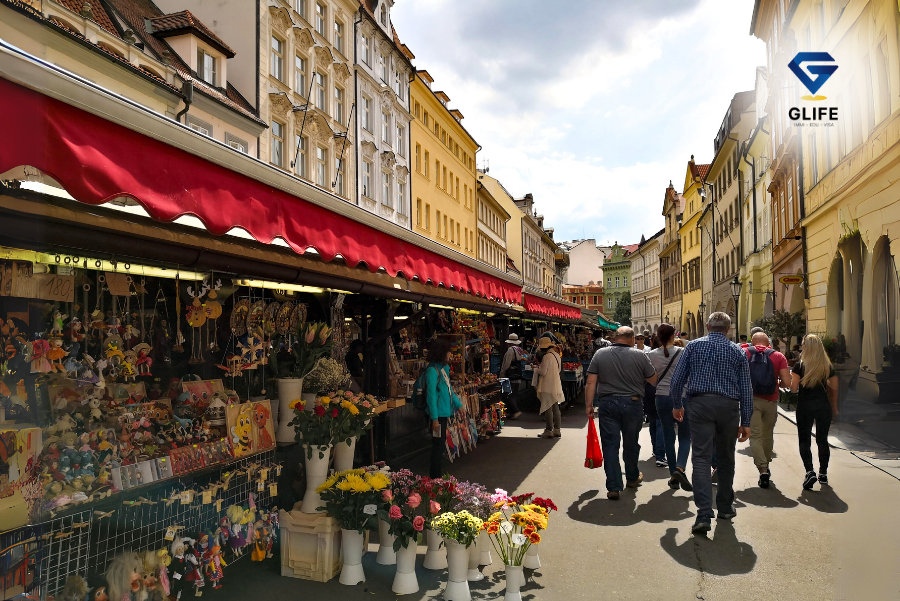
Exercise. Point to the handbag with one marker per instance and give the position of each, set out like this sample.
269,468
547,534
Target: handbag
666,370
593,457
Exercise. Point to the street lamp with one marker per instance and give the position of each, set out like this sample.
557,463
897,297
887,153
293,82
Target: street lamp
667,317
702,308
690,320
736,295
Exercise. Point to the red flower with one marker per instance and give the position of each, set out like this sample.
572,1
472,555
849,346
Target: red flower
320,411
418,523
395,512
334,412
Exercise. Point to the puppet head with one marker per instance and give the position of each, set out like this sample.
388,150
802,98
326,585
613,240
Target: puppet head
124,575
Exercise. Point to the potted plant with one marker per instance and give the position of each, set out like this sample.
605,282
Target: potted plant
354,418
403,483
406,524
532,560
352,498
476,499
459,531
315,429
440,496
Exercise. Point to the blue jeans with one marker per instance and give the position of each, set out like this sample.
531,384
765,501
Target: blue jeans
657,438
619,417
664,406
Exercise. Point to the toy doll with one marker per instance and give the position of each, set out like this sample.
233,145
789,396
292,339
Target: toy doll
260,541
55,353
214,565
237,541
152,591
124,577
178,569
75,589
165,560
223,533
194,575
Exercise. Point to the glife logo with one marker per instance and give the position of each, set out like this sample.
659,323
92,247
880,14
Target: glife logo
813,78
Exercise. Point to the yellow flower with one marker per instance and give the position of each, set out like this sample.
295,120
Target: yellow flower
327,484
357,483
378,480
344,485
353,410
325,400
298,404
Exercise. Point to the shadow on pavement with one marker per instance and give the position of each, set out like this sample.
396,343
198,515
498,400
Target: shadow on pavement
594,508
653,472
765,497
721,555
824,500
531,420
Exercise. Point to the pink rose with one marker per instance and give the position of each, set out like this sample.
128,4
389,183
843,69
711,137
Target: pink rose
395,513
434,507
387,495
414,500
366,404
418,523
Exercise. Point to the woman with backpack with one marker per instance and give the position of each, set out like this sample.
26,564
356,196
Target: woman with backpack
665,360
441,402
816,383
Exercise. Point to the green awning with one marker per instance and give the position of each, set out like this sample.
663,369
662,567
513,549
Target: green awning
606,323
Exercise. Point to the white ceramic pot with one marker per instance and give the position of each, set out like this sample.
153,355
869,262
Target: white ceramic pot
457,570
386,554
436,555
289,390
309,398
474,574
514,581
405,581
316,474
484,549
343,455
531,560
351,555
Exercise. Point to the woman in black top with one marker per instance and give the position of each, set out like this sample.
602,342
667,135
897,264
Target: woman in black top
814,380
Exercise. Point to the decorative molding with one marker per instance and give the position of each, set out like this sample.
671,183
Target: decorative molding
368,149
385,47
324,58
387,96
341,72
281,19
367,203
386,211
402,173
279,102
303,38
388,160
367,29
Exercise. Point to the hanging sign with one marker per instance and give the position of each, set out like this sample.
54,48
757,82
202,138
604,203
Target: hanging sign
791,280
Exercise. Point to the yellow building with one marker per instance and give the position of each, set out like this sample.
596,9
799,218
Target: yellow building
443,181
689,231
514,228
492,220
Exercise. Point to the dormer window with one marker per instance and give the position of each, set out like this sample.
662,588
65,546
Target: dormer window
384,19
206,66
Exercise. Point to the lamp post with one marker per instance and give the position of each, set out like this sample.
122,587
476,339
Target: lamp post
667,317
690,322
702,309
736,295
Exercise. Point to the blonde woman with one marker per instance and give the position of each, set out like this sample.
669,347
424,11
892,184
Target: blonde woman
814,379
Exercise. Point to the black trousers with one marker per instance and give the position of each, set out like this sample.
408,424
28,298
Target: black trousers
438,449
807,414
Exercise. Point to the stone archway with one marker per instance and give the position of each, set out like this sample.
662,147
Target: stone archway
885,299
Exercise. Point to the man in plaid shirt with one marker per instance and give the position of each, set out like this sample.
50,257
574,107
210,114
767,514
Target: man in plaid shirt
717,378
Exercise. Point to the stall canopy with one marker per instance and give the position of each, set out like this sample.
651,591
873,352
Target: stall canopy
549,308
97,160
606,324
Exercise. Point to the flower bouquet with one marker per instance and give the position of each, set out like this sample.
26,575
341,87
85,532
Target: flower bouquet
355,416
476,499
462,527
315,428
512,530
401,510
328,375
459,531
441,496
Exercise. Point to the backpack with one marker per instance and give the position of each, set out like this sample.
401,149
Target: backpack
762,372
419,398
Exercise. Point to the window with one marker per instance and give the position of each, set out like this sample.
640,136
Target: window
382,64
457,188
445,226
467,238
624,281
277,66
437,173
452,232
338,104
438,219
366,114
609,302
418,157
401,137
617,281
367,179
386,189
201,127
320,18
384,18
457,233
339,177
277,144
365,52
428,217
320,92
300,7
237,143
426,163
790,203
386,128
419,212
206,66
444,173
425,118
300,164
339,36
300,75
321,166
401,198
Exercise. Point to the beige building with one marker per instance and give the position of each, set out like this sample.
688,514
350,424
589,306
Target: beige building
645,284
492,223
586,260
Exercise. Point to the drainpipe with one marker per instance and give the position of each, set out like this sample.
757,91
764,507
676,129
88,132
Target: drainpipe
187,95
356,142
753,187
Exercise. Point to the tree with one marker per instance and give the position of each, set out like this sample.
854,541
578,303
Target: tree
782,325
623,309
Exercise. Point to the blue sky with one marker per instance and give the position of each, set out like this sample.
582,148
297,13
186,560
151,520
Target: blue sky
590,105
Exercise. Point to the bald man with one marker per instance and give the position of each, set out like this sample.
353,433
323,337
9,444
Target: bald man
766,379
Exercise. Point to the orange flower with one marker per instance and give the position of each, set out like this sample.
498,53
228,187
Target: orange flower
493,528
535,538
529,530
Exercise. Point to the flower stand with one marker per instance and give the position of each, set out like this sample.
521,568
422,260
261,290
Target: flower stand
405,581
351,554
289,390
316,474
484,549
386,554
531,560
514,581
343,455
436,555
474,574
458,567
310,545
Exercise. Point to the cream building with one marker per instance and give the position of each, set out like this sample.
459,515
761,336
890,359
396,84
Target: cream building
492,224
671,289
586,260
515,248
645,284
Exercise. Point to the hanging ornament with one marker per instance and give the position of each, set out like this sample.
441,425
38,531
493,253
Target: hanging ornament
195,316
239,317
255,319
283,320
179,339
213,310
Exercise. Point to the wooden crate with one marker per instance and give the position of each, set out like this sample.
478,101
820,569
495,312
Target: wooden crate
310,545
394,403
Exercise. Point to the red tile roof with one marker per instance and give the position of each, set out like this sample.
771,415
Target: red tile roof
184,22
101,17
630,248
699,171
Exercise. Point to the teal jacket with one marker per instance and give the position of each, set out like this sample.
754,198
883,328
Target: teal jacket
441,399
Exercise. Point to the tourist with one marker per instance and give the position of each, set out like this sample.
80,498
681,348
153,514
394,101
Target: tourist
441,400
615,385
512,368
768,367
664,360
721,399
816,383
549,386
639,340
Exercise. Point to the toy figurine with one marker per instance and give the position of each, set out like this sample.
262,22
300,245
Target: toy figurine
261,542
143,362
179,569
223,532
261,416
57,326
214,565
194,576
124,577
55,354
149,577
237,541
75,589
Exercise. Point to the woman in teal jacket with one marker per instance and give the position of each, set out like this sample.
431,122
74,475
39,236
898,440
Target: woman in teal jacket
441,400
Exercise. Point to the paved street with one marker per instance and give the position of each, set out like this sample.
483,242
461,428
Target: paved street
841,542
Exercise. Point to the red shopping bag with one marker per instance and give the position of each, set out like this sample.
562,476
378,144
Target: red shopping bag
593,457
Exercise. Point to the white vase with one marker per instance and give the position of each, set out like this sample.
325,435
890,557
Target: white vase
351,556
405,581
484,549
531,560
316,474
514,581
457,570
343,455
386,554
474,574
436,555
309,400
289,390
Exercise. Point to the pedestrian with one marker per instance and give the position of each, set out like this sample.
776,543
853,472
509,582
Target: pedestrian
639,343
511,368
549,386
816,384
615,385
664,360
768,368
657,439
441,401
721,402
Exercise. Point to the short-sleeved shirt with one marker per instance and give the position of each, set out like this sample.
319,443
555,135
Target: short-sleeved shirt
621,370
660,362
815,396
779,362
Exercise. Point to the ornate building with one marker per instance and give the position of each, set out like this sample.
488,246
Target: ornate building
695,204
617,271
670,259
645,284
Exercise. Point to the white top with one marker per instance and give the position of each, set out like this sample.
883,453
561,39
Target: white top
660,361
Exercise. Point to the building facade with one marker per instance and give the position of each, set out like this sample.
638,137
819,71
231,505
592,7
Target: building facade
692,296
589,296
492,224
586,262
645,284
617,271
443,179
670,259
515,241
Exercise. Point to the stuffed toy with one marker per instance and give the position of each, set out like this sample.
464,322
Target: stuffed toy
124,577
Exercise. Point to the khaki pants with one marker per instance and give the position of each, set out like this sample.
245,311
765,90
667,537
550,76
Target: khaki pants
553,418
762,429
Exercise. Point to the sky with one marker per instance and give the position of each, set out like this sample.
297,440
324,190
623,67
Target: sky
590,105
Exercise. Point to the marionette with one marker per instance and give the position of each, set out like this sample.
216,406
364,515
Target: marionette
124,577
223,533
194,575
165,560
149,577
214,565
260,541
179,568
237,541
75,589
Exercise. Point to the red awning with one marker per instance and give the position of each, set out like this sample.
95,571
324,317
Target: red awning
542,306
97,160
